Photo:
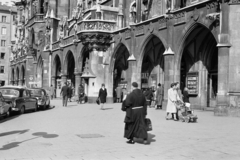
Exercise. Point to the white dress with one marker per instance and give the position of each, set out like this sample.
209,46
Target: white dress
172,97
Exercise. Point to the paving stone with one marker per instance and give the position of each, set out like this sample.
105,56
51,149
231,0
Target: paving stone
84,132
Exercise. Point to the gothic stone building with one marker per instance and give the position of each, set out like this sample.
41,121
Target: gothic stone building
116,42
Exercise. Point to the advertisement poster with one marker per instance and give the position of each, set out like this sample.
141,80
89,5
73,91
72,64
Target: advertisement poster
192,83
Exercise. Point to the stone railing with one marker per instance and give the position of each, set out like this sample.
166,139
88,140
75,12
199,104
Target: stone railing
35,18
97,25
63,42
68,40
55,45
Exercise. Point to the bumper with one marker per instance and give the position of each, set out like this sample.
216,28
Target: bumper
15,109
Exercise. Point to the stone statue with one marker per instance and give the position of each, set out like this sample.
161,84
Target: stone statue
168,5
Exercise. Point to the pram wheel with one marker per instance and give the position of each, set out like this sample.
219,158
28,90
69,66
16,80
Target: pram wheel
187,120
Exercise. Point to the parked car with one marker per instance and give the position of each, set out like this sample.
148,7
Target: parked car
42,97
5,109
20,98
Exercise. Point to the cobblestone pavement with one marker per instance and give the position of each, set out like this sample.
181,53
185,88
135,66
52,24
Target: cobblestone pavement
84,132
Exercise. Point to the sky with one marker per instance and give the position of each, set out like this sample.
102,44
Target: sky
7,1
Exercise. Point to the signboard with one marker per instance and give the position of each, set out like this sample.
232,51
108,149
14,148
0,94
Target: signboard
192,83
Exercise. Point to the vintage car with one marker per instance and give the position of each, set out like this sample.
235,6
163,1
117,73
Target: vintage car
20,98
5,109
42,97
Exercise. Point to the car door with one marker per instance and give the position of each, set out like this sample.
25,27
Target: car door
25,96
32,100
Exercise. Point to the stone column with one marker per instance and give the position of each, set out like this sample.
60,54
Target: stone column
223,67
77,81
223,53
168,74
139,10
120,15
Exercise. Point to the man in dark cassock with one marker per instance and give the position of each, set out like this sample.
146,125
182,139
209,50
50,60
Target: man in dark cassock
136,110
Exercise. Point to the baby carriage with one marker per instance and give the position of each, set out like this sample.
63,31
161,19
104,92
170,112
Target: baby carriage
186,114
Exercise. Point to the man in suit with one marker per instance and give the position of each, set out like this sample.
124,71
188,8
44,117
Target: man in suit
64,92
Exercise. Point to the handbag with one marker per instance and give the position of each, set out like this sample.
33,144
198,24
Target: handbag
98,101
148,124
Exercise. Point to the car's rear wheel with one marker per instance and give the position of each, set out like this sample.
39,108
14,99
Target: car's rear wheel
35,108
44,106
22,110
8,113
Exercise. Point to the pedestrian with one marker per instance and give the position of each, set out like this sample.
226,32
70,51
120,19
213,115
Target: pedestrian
80,93
186,97
149,95
70,92
52,92
171,103
64,92
159,96
119,93
179,92
135,106
124,92
102,95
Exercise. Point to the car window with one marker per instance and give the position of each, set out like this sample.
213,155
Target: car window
37,92
9,92
25,93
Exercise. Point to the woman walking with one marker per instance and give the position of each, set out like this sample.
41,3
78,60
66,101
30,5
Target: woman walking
102,95
172,99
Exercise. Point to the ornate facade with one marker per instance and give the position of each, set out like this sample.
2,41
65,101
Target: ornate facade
194,42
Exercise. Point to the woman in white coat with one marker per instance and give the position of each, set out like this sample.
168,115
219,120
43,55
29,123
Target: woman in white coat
171,104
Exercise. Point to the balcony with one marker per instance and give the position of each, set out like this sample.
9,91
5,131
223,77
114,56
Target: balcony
37,18
97,25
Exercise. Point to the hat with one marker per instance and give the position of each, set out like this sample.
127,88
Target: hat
134,84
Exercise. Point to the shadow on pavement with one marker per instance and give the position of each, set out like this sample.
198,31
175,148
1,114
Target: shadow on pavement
45,135
150,139
14,132
16,144
107,108
9,118
49,108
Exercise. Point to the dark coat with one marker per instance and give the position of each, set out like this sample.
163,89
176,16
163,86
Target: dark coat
102,95
135,118
64,91
70,92
159,96
185,97
148,94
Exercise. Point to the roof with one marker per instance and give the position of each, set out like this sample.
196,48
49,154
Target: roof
8,8
14,87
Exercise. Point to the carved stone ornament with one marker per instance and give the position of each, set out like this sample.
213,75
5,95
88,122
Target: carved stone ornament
98,41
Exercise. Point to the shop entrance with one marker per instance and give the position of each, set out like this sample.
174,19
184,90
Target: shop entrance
120,76
153,64
58,74
70,69
199,67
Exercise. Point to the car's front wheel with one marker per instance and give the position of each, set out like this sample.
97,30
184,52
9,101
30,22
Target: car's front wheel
22,110
48,106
